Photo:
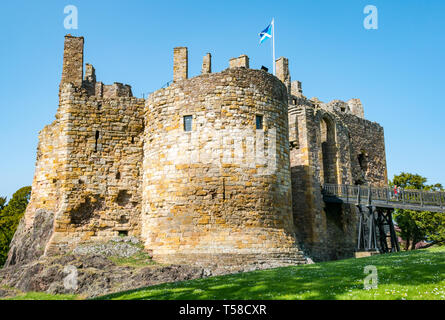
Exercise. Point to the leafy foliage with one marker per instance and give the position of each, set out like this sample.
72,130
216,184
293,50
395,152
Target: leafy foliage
412,275
10,216
419,225
409,181
2,203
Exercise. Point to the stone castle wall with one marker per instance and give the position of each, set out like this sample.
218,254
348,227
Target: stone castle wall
241,185
87,179
330,143
101,179
367,145
30,240
208,192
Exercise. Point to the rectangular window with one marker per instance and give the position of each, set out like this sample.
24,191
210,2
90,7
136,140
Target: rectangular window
187,123
259,122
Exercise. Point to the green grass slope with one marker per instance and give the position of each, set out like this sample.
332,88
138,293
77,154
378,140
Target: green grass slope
42,296
411,275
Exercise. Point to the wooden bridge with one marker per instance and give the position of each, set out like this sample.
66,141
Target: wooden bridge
385,197
375,207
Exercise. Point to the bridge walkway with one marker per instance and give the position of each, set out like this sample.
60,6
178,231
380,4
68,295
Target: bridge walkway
375,206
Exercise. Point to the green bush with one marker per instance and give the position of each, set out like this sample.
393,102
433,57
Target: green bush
10,216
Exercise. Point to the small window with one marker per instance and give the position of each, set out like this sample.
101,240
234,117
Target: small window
259,122
362,161
187,123
123,233
97,138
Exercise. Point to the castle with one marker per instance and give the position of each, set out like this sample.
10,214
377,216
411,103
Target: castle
222,168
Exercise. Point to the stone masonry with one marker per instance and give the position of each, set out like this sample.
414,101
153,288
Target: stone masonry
221,169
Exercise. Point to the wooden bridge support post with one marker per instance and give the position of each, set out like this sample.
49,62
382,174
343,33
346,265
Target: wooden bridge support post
369,196
394,240
358,195
383,242
372,239
361,230
440,200
421,198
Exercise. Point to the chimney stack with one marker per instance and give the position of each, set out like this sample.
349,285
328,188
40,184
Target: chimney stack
73,61
282,72
180,64
207,64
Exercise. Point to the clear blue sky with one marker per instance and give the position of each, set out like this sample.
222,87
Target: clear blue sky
397,71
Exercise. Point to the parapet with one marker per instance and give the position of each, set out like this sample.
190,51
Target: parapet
356,107
115,90
353,106
240,62
296,88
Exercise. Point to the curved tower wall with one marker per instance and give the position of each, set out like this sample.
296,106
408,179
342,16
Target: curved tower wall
220,193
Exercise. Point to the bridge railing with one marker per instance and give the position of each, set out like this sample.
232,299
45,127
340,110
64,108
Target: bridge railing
363,194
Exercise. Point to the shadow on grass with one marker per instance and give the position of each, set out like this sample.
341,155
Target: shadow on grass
324,281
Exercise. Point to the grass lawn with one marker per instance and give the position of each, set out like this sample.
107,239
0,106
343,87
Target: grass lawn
43,296
411,275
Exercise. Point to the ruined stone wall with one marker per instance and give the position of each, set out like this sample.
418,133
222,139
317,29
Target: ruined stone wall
101,179
306,196
241,184
207,196
87,180
36,226
367,148
51,157
326,143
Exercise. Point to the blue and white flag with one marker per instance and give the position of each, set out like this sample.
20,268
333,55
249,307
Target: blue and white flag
266,33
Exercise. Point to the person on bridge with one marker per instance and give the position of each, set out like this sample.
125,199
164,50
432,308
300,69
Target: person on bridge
395,191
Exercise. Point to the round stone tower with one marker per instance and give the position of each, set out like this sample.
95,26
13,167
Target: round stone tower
216,176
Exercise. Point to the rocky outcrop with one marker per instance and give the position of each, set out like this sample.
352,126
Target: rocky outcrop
29,243
100,268
95,275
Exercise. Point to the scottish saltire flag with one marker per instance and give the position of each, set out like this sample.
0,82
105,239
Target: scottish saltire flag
266,33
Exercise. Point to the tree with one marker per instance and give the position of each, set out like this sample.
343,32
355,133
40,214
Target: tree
409,181
2,232
418,225
2,203
10,216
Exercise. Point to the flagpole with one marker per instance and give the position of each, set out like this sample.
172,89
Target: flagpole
273,44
